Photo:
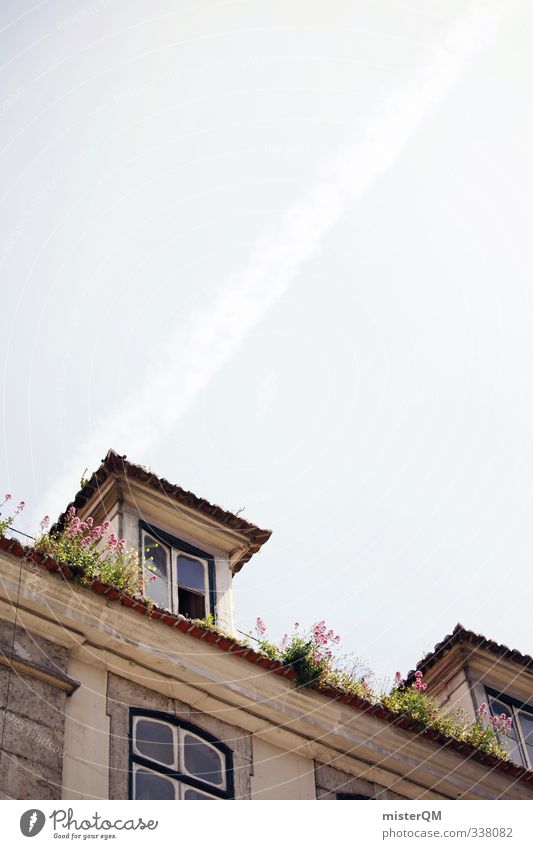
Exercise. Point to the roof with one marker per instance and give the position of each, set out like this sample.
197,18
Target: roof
461,635
225,643
117,464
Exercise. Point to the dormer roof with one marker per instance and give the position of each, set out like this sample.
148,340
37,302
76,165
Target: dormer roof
461,636
117,466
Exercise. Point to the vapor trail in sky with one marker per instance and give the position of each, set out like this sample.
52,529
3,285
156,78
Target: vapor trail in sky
185,363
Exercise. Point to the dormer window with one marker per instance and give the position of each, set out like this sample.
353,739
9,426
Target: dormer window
520,741
178,576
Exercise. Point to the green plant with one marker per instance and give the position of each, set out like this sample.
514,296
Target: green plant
483,732
7,521
93,552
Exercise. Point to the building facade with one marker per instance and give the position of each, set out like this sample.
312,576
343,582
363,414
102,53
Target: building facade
105,697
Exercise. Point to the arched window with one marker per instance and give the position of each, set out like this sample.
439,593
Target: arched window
171,759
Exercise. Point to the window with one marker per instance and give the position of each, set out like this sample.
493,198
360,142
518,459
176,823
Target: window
170,759
520,743
181,578
351,796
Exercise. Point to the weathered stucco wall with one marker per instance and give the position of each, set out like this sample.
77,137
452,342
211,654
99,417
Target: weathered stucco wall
32,721
123,694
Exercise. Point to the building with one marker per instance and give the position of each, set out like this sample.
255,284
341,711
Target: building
103,697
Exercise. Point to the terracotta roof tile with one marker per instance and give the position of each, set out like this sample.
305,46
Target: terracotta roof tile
460,634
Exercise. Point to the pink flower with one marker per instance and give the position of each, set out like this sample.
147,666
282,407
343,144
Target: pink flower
419,684
45,521
7,496
71,511
152,578
482,710
398,678
260,626
21,505
90,521
105,525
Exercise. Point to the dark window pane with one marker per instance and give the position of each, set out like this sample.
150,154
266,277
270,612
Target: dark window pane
156,577
351,796
202,760
526,724
155,740
197,794
191,573
190,604
514,749
148,785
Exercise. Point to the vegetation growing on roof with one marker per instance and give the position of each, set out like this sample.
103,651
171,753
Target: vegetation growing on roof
7,520
312,657
93,552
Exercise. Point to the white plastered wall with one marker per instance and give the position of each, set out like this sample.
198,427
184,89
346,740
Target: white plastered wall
280,774
86,753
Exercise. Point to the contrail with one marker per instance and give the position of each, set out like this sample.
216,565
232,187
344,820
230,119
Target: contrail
188,361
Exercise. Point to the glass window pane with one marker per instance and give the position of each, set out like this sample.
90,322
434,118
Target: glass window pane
189,793
202,760
191,573
509,742
526,725
149,785
155,740
497,708
514,749
156,577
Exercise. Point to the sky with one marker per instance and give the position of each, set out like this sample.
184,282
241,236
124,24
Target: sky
280,253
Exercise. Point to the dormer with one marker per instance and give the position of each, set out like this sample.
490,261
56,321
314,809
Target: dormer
195,548
467,670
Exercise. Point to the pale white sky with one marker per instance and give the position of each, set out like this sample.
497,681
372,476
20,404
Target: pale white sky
281,252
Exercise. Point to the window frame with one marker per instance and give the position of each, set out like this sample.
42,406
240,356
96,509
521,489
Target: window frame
515,706
176,547
183,778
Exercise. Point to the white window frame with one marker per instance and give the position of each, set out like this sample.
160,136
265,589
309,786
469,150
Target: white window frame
176,552
173,552
183,768
174,765
180,787
141,768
